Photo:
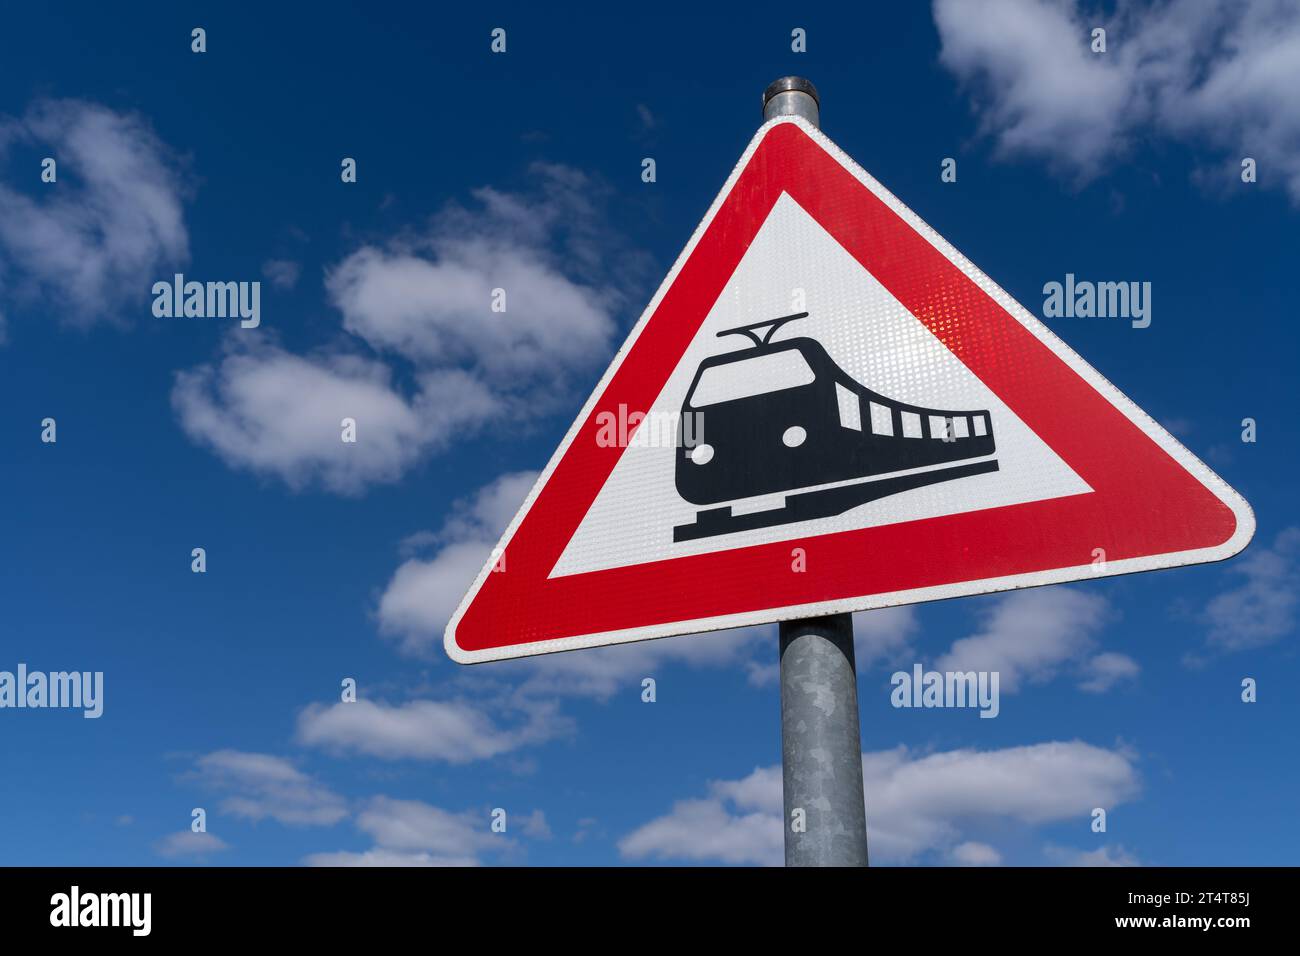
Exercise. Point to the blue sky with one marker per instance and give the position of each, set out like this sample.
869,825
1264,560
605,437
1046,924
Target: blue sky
222,689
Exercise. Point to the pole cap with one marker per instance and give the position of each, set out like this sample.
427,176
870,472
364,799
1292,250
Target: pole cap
790,84
792,96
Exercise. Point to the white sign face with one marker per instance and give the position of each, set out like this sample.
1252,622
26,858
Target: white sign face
872,338
827,408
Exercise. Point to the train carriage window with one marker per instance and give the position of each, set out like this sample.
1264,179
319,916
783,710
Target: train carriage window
746,377
850,407
961,427
939,427
981,428
882,419
911,424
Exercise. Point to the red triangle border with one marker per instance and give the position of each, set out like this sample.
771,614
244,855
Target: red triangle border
1153,504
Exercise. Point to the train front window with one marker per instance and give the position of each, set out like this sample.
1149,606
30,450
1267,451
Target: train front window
744,378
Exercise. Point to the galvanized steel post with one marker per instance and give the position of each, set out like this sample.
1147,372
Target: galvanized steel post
821,749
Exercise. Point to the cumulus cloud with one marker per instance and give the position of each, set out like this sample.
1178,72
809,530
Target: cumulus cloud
418,308
917,803
188,843
971,853
738,823
271,412
883,635
423,593
535,826
111,226
1263,607
425,590
1030,635
378,856
439,311
484,516
281,273
452,731
600,672
1102,856
1040,89
924,801
414,833
1221,75
429,296
427,587
260,786
1104,671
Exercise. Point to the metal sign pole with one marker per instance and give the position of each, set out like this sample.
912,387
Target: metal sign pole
821,750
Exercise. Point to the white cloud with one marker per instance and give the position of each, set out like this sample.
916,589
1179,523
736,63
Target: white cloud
1030,635
377,856
424,591
1221,75
188,843
1041,89
601,672
1263,608
1102,856
419,307
109,228
260,786
281,273
429,298
971,853
534,825
439,312
916,803
413,825
883,635
414,833
922,802
272,412
484,516
1104,671
711,830
452,731
586,827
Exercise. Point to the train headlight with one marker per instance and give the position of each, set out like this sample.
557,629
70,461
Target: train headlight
702,454
794,436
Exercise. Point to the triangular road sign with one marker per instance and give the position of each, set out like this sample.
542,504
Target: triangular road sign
827,408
